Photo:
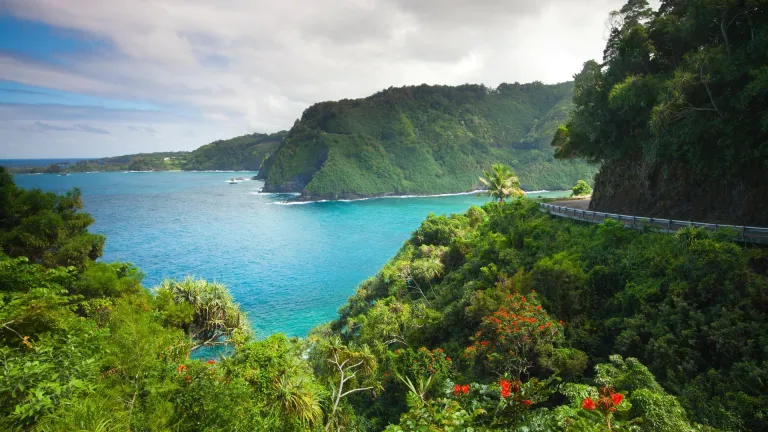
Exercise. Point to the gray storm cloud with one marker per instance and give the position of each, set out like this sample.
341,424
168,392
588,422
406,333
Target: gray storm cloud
243,66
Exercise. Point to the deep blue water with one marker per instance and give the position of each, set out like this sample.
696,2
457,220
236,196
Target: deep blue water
289,266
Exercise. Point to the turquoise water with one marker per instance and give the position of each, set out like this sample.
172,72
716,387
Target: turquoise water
289,266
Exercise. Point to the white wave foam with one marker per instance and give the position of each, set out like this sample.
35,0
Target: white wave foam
378,197
537,191
259,192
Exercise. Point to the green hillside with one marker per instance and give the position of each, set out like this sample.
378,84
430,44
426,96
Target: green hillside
425,140
676,113
243,153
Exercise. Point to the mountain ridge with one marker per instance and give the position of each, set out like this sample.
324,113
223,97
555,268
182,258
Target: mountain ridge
424,140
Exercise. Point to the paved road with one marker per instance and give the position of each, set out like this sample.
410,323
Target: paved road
577,209
581,204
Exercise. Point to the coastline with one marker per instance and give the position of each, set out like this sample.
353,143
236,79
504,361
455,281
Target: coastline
134,172
300,201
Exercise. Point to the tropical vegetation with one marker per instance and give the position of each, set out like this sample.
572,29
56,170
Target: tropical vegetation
425,140
498,319
501,182
501,318
676,112
243,153
582,188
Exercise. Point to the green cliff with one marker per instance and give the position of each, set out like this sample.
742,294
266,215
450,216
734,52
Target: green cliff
424,140
676,113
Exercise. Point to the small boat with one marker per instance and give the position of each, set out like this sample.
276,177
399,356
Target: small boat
233,181
64,174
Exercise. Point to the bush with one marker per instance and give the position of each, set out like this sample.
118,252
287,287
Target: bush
582,188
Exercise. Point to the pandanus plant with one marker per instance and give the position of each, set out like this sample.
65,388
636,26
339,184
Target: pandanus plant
216,317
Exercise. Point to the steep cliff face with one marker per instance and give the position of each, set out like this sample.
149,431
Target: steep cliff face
424,140
670,191
676,113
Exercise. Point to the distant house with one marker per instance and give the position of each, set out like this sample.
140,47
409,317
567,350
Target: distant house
166,158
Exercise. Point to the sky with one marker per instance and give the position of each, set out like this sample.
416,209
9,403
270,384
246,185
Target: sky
94,78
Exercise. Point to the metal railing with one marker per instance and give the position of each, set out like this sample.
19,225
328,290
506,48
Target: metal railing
745,234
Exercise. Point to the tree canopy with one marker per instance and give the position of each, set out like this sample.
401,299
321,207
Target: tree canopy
676,111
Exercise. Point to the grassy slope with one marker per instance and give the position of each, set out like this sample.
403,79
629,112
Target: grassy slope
425,139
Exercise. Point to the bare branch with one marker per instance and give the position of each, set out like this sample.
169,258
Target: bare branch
356,390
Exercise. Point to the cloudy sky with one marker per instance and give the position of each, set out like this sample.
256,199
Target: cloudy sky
88,78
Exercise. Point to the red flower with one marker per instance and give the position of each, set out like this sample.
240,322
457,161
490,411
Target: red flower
188,378
456,389
484,343
211,362
465,388
448,359
180,368
588,404
506,388
526,402
617,398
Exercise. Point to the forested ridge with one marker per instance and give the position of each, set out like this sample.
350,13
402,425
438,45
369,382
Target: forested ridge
425,140
243,153
677,112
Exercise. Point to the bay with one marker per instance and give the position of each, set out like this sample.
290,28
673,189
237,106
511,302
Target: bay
289,266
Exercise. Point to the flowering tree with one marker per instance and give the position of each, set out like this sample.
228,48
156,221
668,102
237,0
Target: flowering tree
511,337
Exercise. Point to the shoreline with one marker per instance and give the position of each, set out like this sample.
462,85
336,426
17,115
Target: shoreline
302,202
137,172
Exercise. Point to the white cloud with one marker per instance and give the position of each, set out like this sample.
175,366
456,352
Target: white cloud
254,65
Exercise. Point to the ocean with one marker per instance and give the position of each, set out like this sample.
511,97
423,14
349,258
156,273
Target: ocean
289,266
37,163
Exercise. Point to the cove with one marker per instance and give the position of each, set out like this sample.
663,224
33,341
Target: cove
289,266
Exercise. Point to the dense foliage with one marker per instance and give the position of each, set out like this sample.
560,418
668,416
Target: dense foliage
425,140
507,291
246,152
676,112
499,319
243,153
582,188
501,183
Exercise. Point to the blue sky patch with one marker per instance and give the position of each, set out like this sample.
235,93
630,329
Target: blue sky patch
46,43
16,93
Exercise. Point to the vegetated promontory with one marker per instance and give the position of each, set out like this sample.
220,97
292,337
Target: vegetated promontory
243,153
425,140
677,113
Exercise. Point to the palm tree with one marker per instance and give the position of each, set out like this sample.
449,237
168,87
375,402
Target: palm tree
501,182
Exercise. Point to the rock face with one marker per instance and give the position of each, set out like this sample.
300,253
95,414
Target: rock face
424,140
670,191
